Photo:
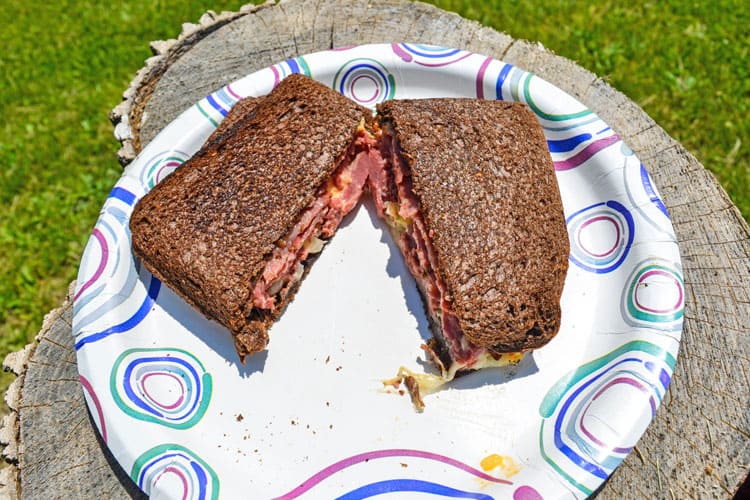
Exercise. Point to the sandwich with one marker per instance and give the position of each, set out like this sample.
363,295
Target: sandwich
469,192
234,230
466,186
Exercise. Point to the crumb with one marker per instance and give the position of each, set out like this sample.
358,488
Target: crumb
338,368
328,358
404,465
416,397
330,426
240,417
401,392
294,422
328,403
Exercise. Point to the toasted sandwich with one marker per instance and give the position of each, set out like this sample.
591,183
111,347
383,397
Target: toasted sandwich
469,191
466,186
234,229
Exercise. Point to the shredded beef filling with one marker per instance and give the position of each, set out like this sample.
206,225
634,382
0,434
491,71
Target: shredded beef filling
318,222
379,164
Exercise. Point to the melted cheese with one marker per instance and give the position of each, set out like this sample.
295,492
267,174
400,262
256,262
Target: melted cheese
429,383
345,178
486,360
314,244
397,222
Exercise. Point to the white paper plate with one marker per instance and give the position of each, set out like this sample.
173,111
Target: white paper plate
309,417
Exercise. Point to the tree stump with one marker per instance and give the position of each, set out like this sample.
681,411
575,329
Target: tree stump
699,443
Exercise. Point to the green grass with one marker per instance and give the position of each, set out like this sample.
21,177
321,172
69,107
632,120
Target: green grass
64,65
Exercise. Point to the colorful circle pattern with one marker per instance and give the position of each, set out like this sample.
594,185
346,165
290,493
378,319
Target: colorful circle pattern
654,296
581,435
365,81
168,387
173,471
644,197
601,236
290,67
428,55
161,165
109,278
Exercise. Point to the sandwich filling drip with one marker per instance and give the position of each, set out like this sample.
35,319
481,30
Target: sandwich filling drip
318,222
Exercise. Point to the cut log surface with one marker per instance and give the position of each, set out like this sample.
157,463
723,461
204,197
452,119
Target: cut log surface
699,443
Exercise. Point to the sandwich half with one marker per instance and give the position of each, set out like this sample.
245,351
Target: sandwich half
469,192
234,229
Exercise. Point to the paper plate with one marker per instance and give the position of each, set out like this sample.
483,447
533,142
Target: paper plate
309,417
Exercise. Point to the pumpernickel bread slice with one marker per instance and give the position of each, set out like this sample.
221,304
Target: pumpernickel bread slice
471,191
232,230
241,111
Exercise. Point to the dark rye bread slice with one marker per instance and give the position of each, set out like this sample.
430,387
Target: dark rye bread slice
487,191
208,229
241,111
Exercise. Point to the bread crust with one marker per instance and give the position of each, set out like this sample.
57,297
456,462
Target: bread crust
488,194
241,111
208,229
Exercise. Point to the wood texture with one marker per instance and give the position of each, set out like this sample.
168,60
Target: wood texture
699,443
52,439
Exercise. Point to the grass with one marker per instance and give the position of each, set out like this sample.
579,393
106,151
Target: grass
65,64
